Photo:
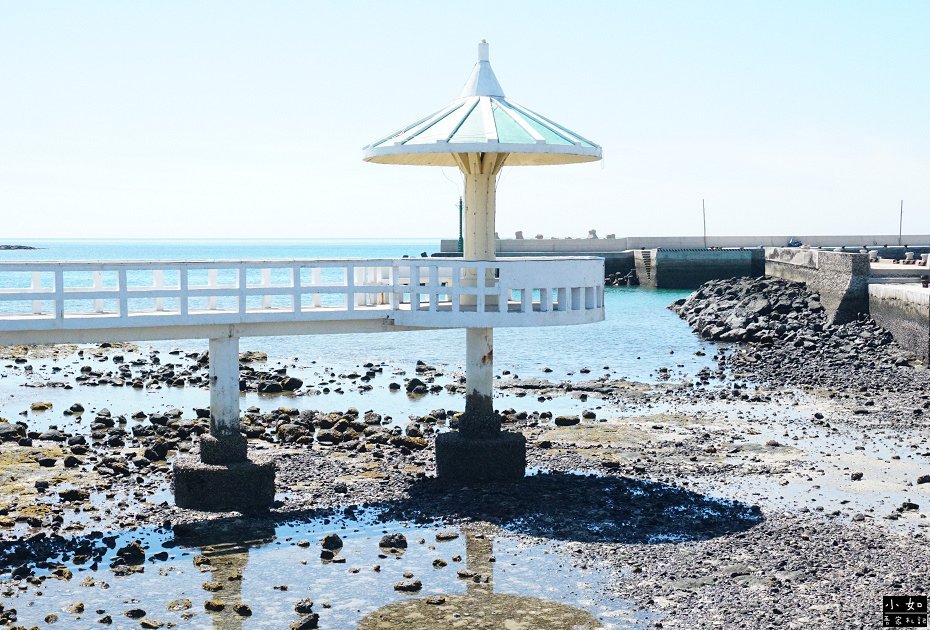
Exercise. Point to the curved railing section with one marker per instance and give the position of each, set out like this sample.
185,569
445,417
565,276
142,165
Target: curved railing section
405,292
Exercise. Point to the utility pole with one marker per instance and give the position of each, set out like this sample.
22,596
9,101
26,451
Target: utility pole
900,222
704,213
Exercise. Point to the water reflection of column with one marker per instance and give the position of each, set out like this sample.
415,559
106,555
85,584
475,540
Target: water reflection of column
479,606
478,551
228,562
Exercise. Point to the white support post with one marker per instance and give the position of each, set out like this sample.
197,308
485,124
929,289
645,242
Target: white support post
479,363
480,173
224,386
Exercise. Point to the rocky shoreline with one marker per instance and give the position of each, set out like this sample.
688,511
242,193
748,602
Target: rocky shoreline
779,490
784,340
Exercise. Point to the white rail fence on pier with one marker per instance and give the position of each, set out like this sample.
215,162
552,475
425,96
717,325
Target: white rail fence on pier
428,293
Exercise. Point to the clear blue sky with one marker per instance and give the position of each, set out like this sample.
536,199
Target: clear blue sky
238,119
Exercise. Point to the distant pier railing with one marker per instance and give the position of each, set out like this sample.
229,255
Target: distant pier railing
49,302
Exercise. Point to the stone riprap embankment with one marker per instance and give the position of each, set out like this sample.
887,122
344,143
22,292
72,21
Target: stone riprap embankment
786,337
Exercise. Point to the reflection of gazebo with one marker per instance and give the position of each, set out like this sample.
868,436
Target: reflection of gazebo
481,132
480,606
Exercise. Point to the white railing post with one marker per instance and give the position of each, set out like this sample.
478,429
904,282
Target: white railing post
414,287
315,281
371,274
456,288
358,281
211,284
295,285
59,294
266,284
350,287
503,293
242,283
98,286
123,289
481,283
158,283
183,288
433,288
36,287
395,288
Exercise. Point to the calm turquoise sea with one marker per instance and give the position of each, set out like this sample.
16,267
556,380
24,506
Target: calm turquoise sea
639,336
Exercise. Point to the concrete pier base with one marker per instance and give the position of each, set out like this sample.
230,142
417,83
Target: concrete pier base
244,486
463,459
225,449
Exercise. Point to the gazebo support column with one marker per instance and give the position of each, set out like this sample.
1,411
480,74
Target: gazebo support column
223,479
480,451
479,415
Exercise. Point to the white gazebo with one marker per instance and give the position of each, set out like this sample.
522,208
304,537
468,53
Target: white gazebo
480,132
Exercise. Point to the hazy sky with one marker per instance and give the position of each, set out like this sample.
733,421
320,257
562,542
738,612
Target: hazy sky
240,119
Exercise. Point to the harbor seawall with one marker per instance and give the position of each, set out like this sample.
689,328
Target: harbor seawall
690,268
904,310
841,279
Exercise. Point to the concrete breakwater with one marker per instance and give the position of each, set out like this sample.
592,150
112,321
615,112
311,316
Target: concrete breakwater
904,309
686,262
841,279
590,246
688,268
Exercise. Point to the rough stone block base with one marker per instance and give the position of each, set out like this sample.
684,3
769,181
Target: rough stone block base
241,486
462,459
226,449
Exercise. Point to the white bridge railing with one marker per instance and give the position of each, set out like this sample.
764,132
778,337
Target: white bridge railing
409,292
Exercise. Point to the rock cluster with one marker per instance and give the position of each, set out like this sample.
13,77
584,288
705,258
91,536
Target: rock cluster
621,279
784,331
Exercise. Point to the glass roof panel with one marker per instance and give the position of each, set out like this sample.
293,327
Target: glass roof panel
472,128
551,136
508,131
442,128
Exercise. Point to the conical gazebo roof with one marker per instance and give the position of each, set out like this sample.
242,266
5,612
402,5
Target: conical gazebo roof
482,120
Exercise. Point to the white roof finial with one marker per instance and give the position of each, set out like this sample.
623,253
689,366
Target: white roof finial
483,54
482,81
